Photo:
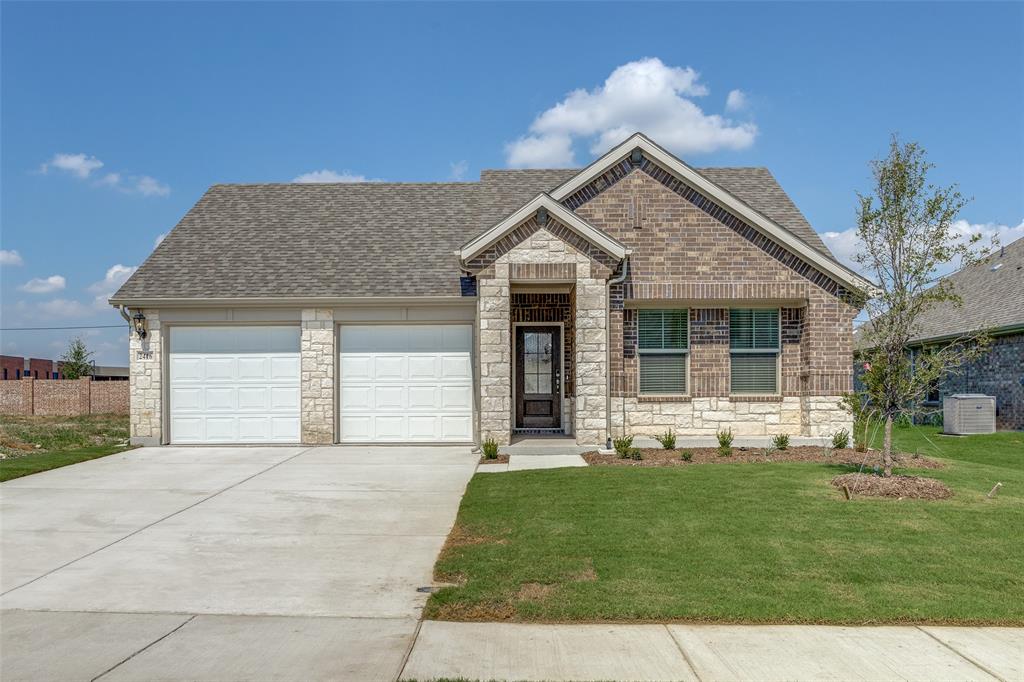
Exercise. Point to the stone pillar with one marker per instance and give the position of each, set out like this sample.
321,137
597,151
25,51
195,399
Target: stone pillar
317,353
145,383
494,308
591,359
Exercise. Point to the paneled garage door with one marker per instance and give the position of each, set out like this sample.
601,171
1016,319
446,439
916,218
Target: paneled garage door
403,384
234,384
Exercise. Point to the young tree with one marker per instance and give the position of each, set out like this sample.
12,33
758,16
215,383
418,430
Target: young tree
75,362
906,237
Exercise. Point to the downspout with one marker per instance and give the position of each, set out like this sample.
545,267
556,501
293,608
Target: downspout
608,353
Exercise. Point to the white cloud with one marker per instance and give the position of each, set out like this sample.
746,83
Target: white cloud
845,244
327,175
159,238
458,169
111,282
79,165
736,101
44,286
82,166
539,151
63,308
646,96
10,258
150,187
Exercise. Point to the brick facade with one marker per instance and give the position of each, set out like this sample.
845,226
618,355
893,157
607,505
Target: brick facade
686,249
999,373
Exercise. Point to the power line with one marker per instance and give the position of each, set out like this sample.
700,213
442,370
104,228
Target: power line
38,329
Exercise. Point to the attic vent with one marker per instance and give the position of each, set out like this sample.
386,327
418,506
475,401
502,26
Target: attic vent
542,216
636,157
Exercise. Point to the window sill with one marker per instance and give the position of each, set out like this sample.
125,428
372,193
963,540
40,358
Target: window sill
747,398
663,398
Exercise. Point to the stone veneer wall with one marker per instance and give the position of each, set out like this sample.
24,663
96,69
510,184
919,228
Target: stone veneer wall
706,416
533,252
145,378
317,358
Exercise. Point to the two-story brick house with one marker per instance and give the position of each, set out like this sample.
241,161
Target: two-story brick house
638,294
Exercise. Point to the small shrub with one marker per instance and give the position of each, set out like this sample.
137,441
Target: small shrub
622,446
725,438
686,456
841,439
769,451
490,448
781,441
668,440
724,451
634,454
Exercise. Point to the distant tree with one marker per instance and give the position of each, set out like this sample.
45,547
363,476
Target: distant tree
75,362
907,238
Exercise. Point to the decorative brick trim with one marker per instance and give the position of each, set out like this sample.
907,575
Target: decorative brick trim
542,271
740,398
664,399
603,264
722,291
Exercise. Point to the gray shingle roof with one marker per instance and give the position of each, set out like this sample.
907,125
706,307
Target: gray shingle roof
366,239
992,299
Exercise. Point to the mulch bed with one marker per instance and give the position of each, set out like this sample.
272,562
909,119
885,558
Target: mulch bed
657,457
899,487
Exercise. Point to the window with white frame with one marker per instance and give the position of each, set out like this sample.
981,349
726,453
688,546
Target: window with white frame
754,351
663,346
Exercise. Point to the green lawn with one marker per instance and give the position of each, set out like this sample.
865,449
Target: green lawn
33,444
742,543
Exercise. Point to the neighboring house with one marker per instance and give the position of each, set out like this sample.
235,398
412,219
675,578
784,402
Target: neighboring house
16,367
637,289
992,292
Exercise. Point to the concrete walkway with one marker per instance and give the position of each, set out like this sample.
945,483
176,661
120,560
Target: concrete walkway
501,651
524,462
244,563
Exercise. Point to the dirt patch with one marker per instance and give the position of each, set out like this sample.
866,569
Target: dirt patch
656,457
899,487
458,611
463,537
500,459
534,592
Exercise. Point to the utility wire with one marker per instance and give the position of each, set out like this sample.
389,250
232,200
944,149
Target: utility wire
36,329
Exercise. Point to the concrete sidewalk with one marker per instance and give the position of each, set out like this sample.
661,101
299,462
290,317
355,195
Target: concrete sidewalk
505,651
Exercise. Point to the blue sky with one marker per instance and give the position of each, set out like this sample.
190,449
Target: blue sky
170,98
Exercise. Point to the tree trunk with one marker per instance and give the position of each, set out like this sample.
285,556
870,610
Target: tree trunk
887,448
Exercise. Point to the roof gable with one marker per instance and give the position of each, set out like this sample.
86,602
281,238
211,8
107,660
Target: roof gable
544,202
723,204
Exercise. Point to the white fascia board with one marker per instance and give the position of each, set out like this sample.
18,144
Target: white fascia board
560,213
761,222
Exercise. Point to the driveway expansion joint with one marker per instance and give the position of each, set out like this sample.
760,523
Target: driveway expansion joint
155,641
962,655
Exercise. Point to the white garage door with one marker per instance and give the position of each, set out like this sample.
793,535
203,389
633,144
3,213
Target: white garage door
403,384
234,384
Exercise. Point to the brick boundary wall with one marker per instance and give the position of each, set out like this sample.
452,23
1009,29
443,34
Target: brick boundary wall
63,397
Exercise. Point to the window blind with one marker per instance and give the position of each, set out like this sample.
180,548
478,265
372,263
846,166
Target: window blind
754,350
663,341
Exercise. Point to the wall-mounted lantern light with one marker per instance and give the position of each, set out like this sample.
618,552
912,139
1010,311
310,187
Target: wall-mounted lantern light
139,324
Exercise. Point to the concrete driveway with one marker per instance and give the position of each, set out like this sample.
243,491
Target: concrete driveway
224,563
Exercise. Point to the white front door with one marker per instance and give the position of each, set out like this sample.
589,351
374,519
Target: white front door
234,384
406,383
